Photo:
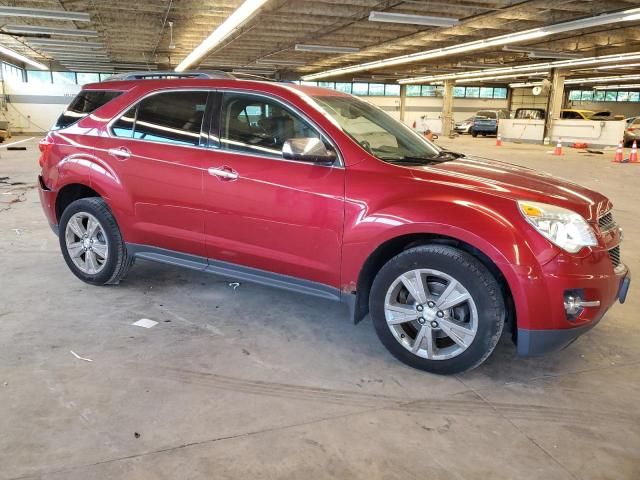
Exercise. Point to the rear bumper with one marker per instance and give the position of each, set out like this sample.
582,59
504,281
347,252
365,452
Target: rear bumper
48,202
539,342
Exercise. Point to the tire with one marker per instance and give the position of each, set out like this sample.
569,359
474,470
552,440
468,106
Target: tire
474,134
477,321
101,258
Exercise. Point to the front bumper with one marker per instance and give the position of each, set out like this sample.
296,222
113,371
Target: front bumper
534,342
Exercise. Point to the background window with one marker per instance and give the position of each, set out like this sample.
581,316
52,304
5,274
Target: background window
376,89
326,85
428,91
459,92
343,87
172,117
634,96
38,76
500,92
598,96
575,95
623,96
587,95
610,96
259,126
64,78
392,90
413,90
84,78
473,92
361,89
486,92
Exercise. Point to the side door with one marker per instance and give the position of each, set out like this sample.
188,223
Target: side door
263,211
155,150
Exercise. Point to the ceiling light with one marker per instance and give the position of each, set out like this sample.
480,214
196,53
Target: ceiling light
500,77
541,52
282,63
526,68
619,78
525,84
479,65
301,47
389,17
42,13
63,43
22,58
72,32
610,18
238,18
617,87
171,45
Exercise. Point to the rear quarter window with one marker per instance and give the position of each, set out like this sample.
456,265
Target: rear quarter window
86,102
486,114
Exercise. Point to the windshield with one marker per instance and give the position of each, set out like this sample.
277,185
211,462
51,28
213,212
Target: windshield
377,132
486,114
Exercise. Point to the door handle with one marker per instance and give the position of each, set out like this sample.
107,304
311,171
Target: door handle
223,172
121,153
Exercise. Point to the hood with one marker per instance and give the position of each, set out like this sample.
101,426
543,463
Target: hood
518,183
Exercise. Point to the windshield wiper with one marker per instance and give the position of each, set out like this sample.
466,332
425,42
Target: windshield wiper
449,153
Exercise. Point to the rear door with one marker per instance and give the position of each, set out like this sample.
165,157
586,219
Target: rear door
155,148
266,212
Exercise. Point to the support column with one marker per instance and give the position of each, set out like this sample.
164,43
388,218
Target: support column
556,98
403,102
447,108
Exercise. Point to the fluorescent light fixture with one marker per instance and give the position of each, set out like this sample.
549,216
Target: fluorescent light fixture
534,33
617,87
624,57
101,56
71,32
389,17
62,43
618,78
22,58
284,63
238,18
302,47
500,77
541,52
525,84
478,65
42,13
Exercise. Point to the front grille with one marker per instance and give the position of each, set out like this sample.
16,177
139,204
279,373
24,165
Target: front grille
614,255
606,222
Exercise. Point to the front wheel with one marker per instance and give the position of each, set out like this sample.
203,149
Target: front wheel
474,134
437,308
91,242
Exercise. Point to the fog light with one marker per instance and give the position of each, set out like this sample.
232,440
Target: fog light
574,304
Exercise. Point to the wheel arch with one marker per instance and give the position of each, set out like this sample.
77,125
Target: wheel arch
70,193
392,247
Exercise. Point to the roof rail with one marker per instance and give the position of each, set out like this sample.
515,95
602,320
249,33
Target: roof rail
156,74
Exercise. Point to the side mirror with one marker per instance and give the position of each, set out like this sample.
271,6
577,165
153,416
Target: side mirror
308,150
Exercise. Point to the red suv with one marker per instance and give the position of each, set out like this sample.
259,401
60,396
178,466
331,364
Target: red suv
318,192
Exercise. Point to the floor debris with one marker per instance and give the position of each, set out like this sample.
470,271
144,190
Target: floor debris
79,357
234,285
145,323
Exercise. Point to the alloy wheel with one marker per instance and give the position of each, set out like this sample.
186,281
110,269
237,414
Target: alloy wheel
86,243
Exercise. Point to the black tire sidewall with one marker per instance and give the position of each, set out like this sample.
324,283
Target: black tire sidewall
97,208
467,270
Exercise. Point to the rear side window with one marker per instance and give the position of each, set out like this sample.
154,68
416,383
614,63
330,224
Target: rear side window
85,103
486,114
171,117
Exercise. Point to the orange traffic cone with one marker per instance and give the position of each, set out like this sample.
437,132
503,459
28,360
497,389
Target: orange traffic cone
558,149
633,158
499,140
618,157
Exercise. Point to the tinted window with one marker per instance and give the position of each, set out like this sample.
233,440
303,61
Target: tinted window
85,103
123,127
257,125
486,114
172,117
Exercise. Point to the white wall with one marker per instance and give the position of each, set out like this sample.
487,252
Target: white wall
34,107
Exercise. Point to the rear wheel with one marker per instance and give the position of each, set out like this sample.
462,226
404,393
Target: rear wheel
437,308
474,134
91,242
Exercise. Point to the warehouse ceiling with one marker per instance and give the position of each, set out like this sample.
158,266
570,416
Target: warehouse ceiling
160,33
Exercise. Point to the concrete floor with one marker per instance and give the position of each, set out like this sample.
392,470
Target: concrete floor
257,383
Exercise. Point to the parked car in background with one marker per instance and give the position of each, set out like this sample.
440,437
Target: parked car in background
530,113
575,114
319,192
485,122
632,131
464,126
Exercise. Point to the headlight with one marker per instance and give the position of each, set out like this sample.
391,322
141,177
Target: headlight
563,227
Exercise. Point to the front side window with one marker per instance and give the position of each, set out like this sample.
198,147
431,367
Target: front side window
170,117
377,132
260,126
